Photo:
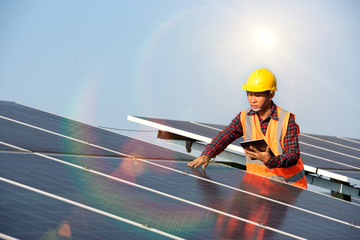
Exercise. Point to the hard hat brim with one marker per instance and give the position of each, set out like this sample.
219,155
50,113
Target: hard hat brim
250,88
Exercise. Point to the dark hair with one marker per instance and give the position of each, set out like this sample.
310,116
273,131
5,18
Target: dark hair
267,91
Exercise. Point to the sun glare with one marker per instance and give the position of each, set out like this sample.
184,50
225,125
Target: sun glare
265,38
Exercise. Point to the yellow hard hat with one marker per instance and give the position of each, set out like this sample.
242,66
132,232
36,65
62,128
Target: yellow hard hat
260,80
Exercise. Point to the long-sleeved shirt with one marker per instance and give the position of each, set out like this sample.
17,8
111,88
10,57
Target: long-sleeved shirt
288,158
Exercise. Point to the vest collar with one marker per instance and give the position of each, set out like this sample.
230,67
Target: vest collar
273,112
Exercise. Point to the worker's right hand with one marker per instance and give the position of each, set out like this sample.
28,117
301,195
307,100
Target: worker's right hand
202,160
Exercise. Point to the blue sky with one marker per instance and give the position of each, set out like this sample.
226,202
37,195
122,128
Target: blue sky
99,61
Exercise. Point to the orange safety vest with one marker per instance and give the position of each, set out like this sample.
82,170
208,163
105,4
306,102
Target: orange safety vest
274,137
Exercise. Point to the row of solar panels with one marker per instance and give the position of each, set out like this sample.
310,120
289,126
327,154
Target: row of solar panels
330,157
62,179
40,131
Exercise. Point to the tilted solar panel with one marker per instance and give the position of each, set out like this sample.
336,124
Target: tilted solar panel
336,158
168,199
89,194
30,128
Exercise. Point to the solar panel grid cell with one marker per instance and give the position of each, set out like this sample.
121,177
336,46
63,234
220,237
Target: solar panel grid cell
332,151
341,141
40,141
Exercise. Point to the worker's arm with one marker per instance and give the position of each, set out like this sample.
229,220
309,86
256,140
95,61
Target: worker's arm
219,143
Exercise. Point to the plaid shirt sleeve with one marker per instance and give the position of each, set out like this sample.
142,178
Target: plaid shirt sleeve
224,138
291,153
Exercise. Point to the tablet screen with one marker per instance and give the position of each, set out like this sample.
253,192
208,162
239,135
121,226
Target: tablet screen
259,144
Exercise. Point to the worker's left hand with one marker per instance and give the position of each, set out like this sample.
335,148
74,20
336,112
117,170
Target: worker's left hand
254,153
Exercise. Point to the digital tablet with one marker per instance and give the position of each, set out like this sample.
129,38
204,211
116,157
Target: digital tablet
259,144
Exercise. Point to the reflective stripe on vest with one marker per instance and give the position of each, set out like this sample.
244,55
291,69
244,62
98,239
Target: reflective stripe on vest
275,135
296,177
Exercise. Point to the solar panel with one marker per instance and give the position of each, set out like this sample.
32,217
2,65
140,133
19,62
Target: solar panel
88,193
69,136
331,157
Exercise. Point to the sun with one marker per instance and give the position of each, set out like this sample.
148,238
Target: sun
265,38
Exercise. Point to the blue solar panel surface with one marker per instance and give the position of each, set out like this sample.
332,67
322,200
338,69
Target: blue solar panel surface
88,193
32,128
